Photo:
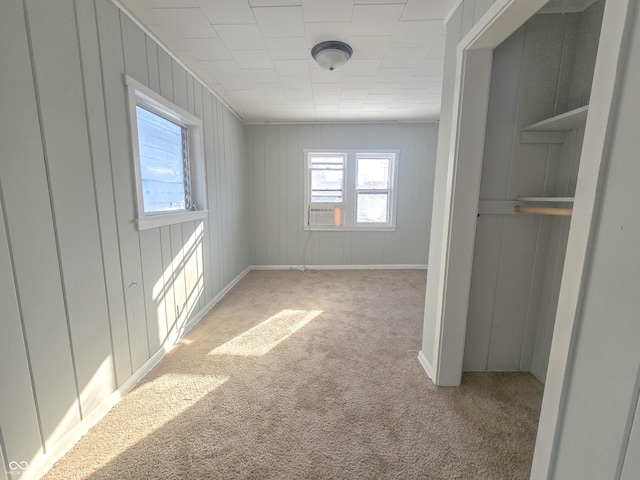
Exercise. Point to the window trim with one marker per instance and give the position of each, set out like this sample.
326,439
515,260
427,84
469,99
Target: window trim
348,205
138,94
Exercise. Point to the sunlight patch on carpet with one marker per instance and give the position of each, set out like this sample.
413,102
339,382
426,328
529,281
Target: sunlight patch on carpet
148,408
260,339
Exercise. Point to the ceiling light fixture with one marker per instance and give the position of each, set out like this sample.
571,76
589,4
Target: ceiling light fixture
332,54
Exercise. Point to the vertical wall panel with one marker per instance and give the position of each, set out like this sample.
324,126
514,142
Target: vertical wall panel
152,64
121,160
103,184
21,431
212,194
87,298
514,294
631,466
279,235
30,230
75,211
136,65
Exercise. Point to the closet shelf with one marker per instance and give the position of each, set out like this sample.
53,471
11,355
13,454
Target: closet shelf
561,123
546,199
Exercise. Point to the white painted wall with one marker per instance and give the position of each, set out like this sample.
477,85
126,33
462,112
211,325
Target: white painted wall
86,299
541,70
276,153
598,433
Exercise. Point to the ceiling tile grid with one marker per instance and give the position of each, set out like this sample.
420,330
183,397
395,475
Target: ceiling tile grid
255,54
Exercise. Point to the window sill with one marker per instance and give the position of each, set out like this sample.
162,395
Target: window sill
328,228
164,219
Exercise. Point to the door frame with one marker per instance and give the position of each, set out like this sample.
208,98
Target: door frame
464,169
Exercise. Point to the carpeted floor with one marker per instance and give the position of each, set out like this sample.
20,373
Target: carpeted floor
312,377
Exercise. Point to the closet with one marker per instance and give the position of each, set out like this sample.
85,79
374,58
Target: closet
540,87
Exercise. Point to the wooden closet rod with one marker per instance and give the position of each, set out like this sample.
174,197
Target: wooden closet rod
563,212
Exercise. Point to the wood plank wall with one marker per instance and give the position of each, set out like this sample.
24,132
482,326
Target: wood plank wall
86,299
276,153
543,69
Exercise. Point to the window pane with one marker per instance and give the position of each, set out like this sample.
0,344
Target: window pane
161,162
326,185
372,208
331,163
373,173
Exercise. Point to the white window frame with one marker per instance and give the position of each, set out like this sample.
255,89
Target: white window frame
140,95
348,205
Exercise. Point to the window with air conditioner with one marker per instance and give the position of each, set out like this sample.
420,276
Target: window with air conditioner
350,190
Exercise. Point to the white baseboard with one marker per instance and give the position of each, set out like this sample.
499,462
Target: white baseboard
426,365
339,267
40,465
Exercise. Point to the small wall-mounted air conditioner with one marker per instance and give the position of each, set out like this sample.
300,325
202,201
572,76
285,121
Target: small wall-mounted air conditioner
325,216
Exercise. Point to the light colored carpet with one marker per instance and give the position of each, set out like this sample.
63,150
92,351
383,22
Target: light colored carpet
293,376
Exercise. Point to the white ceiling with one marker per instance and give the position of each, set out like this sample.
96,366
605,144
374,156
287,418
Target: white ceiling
255,54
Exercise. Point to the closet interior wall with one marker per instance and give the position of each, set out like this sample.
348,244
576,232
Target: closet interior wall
544,69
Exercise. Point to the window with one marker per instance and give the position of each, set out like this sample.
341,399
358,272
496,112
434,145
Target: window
350,190
168,159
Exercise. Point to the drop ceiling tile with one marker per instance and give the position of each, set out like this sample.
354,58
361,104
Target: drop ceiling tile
296,83
357,81
321,32
374,2
436,50
185,22
320,75
245,95
370,46
362,67
299,94
241,37
326,99
227,11
173,3
326,10
430,66
375,19
292,68
357,103
383,99
235,83
207,76
143,11
287,48
326,108
167,37
206,49
280,21
416,34
252,59
221,68
393,75
274,99
403,57
354,93
326,88
430,98
386,88
427,9
274,3
373,107
410,93
269,88
421,81
261,75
